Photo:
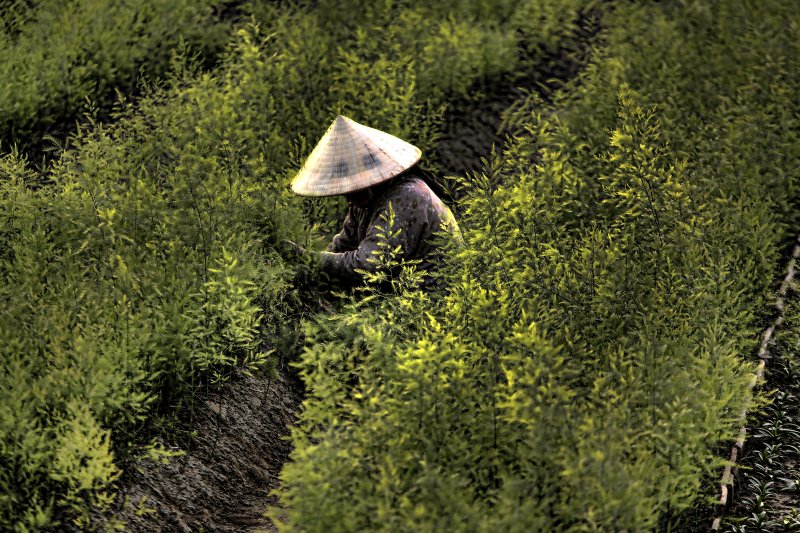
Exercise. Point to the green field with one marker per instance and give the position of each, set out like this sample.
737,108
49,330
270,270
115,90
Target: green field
586,354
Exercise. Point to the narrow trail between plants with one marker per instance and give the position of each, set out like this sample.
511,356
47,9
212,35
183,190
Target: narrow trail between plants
760,485
222,483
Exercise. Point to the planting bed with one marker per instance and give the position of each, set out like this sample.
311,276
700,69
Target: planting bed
765,487
239,443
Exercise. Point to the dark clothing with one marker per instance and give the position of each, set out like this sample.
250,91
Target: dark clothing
418,215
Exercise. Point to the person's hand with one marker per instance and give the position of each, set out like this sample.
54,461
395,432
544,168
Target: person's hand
290,247
307,257
323,257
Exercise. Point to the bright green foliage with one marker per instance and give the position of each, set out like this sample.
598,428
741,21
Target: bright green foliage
83,460
147,267
55,55
145,260
589,350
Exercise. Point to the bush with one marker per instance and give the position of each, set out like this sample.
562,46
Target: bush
145,270
588,352
145,259
57,57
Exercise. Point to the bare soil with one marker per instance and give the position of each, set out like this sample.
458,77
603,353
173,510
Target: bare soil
223,482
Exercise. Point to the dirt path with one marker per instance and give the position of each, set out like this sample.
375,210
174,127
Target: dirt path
222,484
474,125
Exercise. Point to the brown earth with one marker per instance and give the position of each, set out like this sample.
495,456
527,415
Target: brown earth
223,482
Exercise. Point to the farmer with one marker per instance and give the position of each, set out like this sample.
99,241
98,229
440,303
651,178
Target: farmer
374,170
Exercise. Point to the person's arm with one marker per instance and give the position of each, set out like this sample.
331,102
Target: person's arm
403,234
347,239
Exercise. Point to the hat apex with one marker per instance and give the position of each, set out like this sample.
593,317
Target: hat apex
351,157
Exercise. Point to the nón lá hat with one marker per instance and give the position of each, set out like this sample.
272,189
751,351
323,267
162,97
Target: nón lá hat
351,157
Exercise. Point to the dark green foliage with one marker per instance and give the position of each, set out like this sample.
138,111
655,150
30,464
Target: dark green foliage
585,353
146,268
147,259
589,351
58,56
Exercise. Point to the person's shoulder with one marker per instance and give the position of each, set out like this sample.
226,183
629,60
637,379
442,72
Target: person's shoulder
411,185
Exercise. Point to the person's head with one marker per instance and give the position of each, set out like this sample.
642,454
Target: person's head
361,198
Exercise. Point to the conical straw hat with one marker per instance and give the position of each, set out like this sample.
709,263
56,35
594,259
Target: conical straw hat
351,157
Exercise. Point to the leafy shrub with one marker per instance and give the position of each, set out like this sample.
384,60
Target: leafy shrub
145,260
588,352
54,56
140,273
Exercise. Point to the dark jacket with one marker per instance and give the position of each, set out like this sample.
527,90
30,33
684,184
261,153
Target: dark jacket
418,215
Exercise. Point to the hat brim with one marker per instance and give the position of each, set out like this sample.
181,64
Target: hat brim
351,157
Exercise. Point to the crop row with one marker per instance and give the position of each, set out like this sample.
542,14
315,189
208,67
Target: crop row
590,347
60,58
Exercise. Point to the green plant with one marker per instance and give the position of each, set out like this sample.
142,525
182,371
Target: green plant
144,259
55,57
587,353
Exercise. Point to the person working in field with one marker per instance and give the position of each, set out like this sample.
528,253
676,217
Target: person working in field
377,173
